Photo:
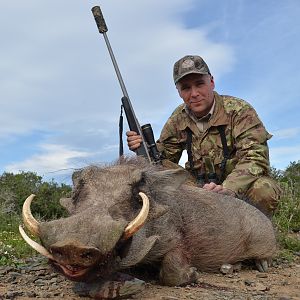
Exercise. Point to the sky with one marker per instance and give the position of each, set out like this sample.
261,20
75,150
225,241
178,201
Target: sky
60,97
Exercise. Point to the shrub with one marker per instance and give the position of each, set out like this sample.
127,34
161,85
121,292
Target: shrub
287,216
15,188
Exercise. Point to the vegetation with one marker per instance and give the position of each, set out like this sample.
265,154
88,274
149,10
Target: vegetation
15,188
287,217
12,246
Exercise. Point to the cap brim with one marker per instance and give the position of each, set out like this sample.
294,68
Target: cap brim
191,72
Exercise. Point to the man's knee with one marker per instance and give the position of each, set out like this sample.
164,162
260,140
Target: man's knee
264,194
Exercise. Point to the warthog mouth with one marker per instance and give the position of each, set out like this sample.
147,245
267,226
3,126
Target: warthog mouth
76,272
71,271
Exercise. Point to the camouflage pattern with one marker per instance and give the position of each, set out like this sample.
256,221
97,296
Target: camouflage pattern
99,19
264,194
246,139
189,64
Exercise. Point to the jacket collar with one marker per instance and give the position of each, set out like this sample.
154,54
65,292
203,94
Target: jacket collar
219,116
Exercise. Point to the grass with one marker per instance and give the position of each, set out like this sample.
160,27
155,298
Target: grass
287,218
13,249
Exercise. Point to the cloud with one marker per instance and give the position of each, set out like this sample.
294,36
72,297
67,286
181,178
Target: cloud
56,76
57,68
286,133
282,156
51,159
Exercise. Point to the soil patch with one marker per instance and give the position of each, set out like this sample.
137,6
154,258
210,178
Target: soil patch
37,280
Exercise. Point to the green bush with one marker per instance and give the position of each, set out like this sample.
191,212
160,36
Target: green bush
15,188
287,216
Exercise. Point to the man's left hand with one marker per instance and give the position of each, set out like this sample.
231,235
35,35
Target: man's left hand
217,188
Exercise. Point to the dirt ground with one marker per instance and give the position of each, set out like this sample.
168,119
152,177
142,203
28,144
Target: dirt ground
37,280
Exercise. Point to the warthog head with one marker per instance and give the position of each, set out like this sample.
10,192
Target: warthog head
108,206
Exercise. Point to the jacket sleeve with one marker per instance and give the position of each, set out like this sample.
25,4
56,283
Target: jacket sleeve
169,143
252,151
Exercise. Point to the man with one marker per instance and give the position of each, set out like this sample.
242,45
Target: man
225,139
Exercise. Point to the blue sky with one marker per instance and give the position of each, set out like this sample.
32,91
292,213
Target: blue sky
60,99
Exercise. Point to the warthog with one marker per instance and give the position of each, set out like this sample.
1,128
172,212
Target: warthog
176,227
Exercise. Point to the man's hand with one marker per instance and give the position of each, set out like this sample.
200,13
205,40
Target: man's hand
133,140
213,187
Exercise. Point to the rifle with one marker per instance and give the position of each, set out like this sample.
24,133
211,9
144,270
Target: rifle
145,131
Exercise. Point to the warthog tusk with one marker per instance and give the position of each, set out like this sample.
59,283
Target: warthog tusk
139,220
39,248
29,221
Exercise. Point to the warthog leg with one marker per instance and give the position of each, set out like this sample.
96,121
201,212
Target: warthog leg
262,264
176,270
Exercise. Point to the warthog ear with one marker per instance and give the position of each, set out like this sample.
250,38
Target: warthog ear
166,180
136,176
67,203
76,177
139,248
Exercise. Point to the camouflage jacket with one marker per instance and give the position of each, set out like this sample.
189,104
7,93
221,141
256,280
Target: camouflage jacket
246,139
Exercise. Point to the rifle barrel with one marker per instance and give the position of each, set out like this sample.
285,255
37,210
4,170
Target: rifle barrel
143,149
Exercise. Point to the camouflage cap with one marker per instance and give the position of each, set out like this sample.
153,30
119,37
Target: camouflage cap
189,64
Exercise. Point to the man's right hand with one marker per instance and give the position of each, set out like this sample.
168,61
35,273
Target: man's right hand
133,140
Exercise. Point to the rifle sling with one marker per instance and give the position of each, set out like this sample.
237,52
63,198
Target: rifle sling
189,150
221,129
121,149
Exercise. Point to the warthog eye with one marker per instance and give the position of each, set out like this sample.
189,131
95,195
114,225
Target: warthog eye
86,255
57,253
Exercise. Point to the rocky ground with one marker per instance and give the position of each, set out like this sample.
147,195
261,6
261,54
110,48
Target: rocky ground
36,279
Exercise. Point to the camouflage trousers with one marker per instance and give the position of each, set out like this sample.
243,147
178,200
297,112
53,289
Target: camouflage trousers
264,194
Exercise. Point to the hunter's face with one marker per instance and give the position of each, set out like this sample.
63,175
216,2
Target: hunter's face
197,93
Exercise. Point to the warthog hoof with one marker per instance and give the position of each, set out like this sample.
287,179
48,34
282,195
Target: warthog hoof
262,264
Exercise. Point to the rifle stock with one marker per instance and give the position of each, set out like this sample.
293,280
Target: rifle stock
134,126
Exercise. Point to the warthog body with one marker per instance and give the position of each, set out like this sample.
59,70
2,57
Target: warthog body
187,227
